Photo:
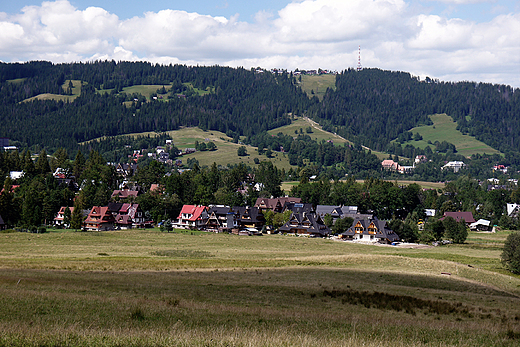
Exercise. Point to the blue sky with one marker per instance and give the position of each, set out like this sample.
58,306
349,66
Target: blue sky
452,40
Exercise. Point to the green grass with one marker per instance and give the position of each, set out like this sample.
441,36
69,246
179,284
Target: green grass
444,129
177,289
146,90
17,80
76,91
299,126
317,84
317,134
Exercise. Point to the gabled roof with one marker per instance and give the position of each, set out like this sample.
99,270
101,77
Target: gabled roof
249,214
467,216
220,210
102,214
1,221
276,202
123,219
483,222
114,207
61,212
125,193
125,208
309,223
382,231
194,210
298,207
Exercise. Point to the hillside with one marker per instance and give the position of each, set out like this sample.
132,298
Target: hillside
317,85
445,129
369,108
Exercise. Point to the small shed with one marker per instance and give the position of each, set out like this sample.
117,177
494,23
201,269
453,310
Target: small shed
481,225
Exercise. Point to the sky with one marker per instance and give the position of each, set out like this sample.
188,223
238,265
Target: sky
449,40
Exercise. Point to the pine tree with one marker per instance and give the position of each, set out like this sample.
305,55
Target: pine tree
67,215
42,164
79,165
76,219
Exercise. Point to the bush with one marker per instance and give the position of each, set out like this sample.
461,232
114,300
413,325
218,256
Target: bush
511,253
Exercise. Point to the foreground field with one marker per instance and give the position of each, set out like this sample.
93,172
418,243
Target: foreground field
195,289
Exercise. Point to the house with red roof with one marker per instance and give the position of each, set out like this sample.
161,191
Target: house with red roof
124,194
192,217
458,216
58,220
100,218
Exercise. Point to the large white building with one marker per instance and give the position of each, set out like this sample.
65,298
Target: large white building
454,165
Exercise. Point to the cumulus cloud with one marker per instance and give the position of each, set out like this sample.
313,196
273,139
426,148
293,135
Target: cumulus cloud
393,34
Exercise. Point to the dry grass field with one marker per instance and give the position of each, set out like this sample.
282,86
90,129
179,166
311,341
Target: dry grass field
147,288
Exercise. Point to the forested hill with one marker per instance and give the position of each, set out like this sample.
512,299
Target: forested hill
369,107
241,102
373,107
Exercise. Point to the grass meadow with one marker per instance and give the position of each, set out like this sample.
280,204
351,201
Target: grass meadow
76,91
147,288
445,129
317,84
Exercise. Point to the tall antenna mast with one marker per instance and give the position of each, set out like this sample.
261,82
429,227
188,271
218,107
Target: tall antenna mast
359,67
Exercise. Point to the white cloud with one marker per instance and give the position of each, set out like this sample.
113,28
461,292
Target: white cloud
393,34
333,20
464,2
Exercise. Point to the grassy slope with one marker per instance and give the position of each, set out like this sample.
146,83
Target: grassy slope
318,84
76,91
444,129
317,134
110,288
226,152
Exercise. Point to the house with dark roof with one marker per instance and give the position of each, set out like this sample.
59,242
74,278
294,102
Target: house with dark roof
221,218
458,216
372,230
192,217
126,170
298,207
251,218
275,204
2,224
309,224
100,218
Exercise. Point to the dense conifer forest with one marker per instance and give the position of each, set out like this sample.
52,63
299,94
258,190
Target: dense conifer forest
370,107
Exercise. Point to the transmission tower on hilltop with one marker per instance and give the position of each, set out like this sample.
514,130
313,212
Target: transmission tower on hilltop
359,67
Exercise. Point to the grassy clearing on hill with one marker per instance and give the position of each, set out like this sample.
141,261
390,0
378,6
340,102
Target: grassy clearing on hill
178,289
317,134
445,129
145,90
317,84
76,91
225,154
299,126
